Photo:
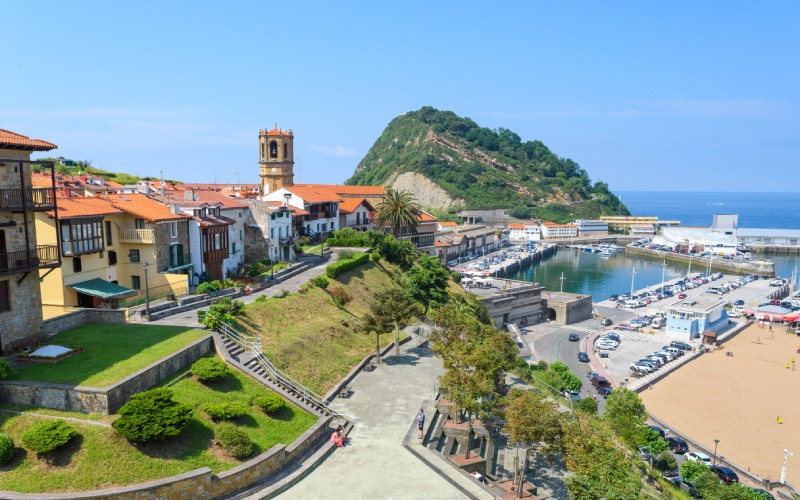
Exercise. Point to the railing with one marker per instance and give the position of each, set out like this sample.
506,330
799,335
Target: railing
253,344
136,236
34,198
42,256
154,293
286,240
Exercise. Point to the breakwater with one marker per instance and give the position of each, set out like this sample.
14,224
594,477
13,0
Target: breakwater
774,249
508,267
760,267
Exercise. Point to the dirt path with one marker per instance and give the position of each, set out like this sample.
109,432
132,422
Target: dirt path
738,399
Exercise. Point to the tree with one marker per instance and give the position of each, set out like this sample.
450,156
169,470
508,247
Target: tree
665,461
388,310
534,423
427,282
587,405
599,465
397,213
650,438
626,414
691,470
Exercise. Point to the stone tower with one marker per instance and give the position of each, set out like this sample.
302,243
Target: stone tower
276,159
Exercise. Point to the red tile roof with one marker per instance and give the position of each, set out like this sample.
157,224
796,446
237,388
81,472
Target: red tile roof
213,197
294,210
69,208
18,141
311,194
448,224
441,244
142,206
425,217
342,190
277,131
350,204
516,226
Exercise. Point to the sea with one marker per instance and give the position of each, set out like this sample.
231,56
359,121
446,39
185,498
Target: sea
576,271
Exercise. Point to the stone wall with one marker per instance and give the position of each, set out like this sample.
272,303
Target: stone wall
200,483
104,400
82,317
25,317
163,239
567,308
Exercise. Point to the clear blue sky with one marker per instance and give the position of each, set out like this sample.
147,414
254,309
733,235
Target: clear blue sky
644,95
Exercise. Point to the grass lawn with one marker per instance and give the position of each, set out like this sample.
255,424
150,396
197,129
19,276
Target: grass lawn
100,457
314,341
111,353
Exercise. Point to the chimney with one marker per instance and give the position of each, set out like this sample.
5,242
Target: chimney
188,194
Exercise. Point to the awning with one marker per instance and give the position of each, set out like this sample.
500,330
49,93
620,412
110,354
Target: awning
101,288
710,334
180,268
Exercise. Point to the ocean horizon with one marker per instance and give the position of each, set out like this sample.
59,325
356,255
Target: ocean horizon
697,208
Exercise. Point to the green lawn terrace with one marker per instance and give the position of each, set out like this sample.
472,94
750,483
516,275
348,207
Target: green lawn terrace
110,353
99,457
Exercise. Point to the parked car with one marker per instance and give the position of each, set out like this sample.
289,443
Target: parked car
612,336
681,345
583,357
677,445
726,474
600,381
659,430
573,337
606,322
682,296
644,453
696,456
604,391
574,395
605,346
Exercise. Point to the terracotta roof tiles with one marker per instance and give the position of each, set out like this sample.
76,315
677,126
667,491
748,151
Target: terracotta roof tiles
350,204
18,141
142,206
69,208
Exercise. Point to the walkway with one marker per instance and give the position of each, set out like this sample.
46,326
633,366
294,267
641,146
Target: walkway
189,318
374,463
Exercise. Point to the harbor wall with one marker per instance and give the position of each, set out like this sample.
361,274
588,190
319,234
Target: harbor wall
759,267
512,267
777,249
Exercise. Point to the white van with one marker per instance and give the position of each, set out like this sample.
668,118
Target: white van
658,322
632,303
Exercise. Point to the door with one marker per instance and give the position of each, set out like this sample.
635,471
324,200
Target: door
3,254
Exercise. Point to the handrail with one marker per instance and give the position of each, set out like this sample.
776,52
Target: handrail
253,343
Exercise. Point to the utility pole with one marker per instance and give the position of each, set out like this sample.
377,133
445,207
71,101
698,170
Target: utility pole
783,467
663,268
633,274
562,282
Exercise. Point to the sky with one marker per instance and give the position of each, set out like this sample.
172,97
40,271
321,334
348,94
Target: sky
646,96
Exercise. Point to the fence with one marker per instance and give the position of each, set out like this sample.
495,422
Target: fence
155,293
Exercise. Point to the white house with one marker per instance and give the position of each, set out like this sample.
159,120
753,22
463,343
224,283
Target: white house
320,208
587,227
354,212
279,230
530,231
551,230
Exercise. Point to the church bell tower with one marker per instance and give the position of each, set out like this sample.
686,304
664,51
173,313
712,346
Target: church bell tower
276,159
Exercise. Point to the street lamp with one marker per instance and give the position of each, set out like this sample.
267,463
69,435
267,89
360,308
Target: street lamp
145,266
783,468
716,443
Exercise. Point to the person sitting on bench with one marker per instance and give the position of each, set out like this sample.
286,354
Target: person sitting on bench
337,437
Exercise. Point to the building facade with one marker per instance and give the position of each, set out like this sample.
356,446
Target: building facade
276,159
588,228
552,231
689,318
22,258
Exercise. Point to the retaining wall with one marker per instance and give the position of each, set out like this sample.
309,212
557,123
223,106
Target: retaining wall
82,317
104,400
760,267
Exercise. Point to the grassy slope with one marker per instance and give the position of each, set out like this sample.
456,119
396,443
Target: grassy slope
311,339
100,457
111,352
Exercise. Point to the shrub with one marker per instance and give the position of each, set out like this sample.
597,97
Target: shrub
205,288
224,411
559,366
256,269
665,462
270,402
346,254
152,415
261,298
46,436
456,276
375,256
342,266
6,449
321,281
541,365
234,440
305,287
587,405
5,369
341,297
210,369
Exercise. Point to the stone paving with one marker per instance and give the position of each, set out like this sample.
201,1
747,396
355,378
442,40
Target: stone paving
374,463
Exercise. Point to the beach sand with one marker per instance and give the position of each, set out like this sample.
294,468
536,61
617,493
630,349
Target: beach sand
738,400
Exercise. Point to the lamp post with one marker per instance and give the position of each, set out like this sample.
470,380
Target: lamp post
145,266
716,443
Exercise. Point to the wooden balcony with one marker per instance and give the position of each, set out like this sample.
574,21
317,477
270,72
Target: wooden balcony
18,199
22,261
137,236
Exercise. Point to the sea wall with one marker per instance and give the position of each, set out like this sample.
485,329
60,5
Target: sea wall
511,267
761,267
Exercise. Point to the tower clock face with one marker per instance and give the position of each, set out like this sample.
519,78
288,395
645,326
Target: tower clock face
274,169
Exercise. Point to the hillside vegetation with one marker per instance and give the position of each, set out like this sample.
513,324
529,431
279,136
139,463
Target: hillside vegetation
479,168
69,167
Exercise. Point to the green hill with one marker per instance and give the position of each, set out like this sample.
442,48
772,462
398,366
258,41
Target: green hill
449,162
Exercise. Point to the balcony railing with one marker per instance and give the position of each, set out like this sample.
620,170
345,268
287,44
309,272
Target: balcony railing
18,261
137,236
33,198
286,240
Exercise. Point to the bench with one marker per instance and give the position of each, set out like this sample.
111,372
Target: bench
371,365
26,344
345,392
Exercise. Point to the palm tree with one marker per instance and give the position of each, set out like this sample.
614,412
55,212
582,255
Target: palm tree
397,212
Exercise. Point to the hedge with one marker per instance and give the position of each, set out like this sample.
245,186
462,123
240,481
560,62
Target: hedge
339,267
46,436
6,449
270,402
224,411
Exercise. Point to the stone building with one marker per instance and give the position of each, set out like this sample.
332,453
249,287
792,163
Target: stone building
21,257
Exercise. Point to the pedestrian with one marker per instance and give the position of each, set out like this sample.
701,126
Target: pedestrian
421,421
770,327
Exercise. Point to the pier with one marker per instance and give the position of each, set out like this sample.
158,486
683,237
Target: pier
760,267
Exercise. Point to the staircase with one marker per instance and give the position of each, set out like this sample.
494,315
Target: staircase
246,350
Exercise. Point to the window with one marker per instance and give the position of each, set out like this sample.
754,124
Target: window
176,257
109,241
5,297
273,149
134,255
241,234
285,149
272,233
173,229
217,241
136,283
80,236
233,247
138,223
112,257
76,265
